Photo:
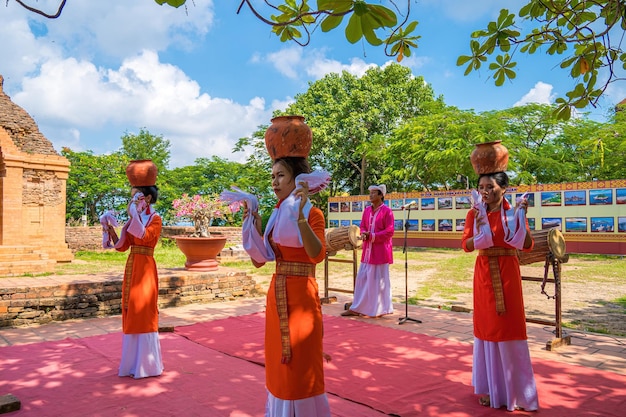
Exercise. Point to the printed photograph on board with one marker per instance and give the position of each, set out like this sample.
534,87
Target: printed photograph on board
576,224
333,223
345,207
620,195
414,225
445,225
550,223
357,206
575,198
444,203
602,224
551,198
621,224
460,225
428,204
357,222
396,204
398,224
530,197
600,197
333,207
345,223
414,203
462,202
531,223
428,225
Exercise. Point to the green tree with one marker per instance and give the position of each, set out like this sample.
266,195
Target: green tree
588,34
600,147
535,141
208,176
145,145
96,183
352,119
431,151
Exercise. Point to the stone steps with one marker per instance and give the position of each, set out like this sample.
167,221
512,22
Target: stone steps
19,260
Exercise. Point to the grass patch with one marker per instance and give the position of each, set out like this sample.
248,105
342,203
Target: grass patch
621,302
578,325
594,268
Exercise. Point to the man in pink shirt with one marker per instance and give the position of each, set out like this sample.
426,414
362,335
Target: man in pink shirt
372,290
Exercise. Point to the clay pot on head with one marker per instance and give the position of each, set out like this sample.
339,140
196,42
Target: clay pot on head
490,157
288,136
141,173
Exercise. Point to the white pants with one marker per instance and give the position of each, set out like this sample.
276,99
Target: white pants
372,290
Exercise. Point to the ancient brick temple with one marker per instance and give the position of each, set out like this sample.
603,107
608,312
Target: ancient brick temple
33,180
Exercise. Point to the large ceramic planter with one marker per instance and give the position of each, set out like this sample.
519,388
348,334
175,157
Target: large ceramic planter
288,136
201,252
489,157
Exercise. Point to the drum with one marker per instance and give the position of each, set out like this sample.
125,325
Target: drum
540,250
556,242
342,238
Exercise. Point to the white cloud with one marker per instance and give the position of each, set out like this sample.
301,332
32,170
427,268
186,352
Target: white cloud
297,63
287,61
541,93
319,66
85,27
84,31
71,96
415,62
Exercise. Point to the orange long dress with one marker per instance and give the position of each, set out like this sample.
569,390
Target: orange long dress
501,366
140,288
303,376
488,325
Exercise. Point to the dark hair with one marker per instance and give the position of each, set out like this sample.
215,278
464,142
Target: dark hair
295,164
499,177
151,190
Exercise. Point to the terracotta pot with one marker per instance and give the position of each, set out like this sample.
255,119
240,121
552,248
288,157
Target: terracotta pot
489,157
288,136
141,173
201,252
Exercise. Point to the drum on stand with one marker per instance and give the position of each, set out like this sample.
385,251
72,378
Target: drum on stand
556,242
342,238
546,241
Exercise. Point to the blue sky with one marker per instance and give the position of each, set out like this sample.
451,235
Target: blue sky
206,77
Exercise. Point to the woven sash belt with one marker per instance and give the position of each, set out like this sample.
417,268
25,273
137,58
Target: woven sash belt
128,271
494,270
284,269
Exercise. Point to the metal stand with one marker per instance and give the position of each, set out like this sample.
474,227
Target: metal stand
406,317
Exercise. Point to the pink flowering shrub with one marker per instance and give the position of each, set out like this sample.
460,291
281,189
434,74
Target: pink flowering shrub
200,210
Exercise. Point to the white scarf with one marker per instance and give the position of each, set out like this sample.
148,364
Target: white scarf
513,222
283,220
374,216
106,220
251,240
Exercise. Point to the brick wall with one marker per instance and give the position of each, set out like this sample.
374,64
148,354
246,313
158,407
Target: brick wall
90,238
23,306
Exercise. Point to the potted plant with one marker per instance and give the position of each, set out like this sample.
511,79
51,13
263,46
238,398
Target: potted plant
201,248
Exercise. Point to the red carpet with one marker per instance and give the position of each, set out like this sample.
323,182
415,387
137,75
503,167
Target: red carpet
406,374
78,377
